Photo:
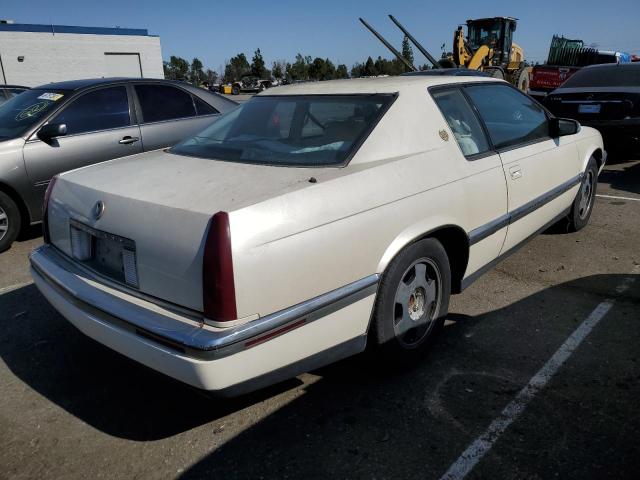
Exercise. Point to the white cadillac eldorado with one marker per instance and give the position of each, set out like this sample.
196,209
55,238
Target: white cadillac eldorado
308,222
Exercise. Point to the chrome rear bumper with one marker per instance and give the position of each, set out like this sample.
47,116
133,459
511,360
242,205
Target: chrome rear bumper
226,361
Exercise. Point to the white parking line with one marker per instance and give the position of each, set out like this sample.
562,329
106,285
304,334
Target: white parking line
11,288
481,445
617,198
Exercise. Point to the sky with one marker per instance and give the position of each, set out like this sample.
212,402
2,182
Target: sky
215,31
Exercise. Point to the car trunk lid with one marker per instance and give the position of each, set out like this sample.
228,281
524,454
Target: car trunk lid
587,105
141,221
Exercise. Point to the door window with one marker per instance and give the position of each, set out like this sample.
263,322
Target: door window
97,110
463,122
510,116
162,102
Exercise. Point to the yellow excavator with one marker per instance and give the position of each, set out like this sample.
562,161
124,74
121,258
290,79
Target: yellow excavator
488,47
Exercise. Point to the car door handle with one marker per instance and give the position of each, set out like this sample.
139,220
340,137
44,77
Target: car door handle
128,140
515,172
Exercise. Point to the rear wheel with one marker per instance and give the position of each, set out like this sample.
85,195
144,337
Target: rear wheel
583,203
521,79
235,90
413,299
9,221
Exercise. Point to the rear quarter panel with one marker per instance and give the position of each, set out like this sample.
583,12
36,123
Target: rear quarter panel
341,229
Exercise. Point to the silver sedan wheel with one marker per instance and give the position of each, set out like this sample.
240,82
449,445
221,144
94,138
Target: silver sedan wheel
4,223
586,195
417,302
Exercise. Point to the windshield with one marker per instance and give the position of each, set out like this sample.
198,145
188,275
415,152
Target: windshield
21,112
606,76
296,130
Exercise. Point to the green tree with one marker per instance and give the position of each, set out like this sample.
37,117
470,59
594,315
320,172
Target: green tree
196,72
357,70
236,68
299,70
407,51
322,69
257,65
278,69
176,68
369,68
211,76
341,71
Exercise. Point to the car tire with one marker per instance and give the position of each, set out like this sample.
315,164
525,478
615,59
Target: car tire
10,221
495,72
235,91
412,301
582,207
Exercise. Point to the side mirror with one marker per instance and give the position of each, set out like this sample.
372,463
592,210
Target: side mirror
559,127
51,131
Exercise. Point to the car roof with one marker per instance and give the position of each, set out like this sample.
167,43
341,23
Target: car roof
612,66
14,86
92,82
356,86
455,72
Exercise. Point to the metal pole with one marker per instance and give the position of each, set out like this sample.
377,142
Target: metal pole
389,46
415,42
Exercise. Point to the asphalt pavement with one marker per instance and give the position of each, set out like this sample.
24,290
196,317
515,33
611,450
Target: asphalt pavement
507,391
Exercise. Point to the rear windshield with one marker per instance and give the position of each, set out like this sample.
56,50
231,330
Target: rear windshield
18,114
295,130
609,76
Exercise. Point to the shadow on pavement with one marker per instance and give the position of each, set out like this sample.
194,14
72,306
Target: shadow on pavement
30,232
625,180
357,417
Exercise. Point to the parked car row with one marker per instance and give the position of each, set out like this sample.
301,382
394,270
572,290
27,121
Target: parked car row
63,126
301,226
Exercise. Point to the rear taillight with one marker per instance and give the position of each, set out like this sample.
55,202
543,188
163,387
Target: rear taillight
218,288
45,209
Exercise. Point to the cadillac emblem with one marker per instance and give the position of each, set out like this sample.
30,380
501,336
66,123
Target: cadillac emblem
98,210
444,135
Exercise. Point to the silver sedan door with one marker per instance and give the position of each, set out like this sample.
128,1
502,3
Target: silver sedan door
170,114
99,128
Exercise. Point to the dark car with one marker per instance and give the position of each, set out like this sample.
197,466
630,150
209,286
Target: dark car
62,126
7,92
606,97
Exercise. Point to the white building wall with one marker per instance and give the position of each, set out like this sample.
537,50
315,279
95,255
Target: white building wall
69,56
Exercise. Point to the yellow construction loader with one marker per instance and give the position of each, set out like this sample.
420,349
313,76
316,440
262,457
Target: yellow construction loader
488,47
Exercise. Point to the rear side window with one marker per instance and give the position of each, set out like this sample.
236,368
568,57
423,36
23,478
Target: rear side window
463,122
510,116
203,108
162,102
97,110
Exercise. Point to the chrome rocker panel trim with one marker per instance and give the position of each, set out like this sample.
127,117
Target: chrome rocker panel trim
187,337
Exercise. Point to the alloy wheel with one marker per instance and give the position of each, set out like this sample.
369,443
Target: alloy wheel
586,195
4,223
417,302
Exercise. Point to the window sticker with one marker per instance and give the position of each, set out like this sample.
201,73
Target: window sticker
54,97
32,111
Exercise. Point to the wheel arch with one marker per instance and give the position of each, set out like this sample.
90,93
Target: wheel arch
22,206
452,237
598,154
